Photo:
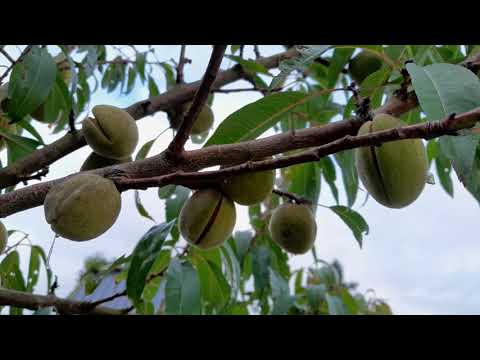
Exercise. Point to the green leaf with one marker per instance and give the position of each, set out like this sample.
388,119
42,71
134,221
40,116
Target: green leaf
443,89
337,64
10,273
250,66
18,146
335,305
30,83
346,161
28,127
305,181
354,221
315,296
260,268
169,75
166,191
350,304
140,64
59,102
232,268
33,267
174,205
132,76
443,167
152,87
254,119
242,240
234,48
282,300
215,289
145,149
373,83
329,174
140,208
144,257
307,55
182,289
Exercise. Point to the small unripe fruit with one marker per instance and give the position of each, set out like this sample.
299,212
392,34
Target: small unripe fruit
207,219
249,188
293,228
204,121
394,173
95,161
3,237
82,207
362,65
112,132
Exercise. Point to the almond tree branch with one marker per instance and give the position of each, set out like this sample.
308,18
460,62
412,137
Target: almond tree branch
64,306
427,130
145,173
200,99
39,159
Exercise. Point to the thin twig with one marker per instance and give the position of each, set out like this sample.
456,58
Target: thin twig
176,146
4,53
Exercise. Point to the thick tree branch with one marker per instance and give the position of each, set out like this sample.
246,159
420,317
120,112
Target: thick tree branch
64,306
39,159
200,99
147,173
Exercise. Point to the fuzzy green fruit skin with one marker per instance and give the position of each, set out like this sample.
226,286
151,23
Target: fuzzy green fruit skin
204,121
293,228
3,237
112,132
83,207
362,65
95,161
207,219
402,168
249,188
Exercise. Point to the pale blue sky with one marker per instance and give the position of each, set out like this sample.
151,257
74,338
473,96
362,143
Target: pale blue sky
422,259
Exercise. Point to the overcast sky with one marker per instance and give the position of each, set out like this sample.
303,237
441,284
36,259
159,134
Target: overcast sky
422,259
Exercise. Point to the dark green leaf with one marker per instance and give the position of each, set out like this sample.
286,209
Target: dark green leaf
140,208
282,300
354,220
444,89
337,64
174,204
346,161
329,174
260,268
33,267
254,119
182,290
143,258
140,64
166,191
152,87
30,83
250,66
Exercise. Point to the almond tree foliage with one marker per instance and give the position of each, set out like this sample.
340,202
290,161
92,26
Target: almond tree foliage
434,89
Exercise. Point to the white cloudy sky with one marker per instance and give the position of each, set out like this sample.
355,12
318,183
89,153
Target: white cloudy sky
422,259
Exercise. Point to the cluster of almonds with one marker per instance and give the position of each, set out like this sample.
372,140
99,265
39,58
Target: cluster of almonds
86,205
